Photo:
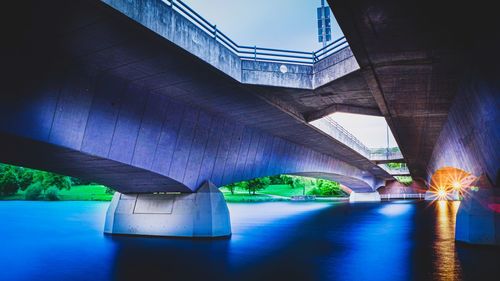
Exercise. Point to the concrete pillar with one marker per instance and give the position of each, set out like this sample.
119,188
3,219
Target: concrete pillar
200,214
478,218
364,197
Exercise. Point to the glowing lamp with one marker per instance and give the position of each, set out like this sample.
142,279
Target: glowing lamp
441,194
456,185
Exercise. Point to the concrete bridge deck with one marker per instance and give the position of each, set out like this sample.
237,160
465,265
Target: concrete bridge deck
112,98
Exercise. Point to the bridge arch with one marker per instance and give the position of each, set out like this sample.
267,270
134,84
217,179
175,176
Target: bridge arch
101,128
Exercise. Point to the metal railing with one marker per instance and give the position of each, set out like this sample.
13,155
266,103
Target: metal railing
402,196
375,154
253,52
395,171
371,153
350,136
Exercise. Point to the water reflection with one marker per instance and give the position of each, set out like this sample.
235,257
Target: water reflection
403,240
446,264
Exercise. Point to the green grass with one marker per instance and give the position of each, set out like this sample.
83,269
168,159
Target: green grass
85,193
245,197
98,193
271,193
285,190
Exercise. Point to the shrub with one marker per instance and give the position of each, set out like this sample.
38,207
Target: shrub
51,193
34,191
326,188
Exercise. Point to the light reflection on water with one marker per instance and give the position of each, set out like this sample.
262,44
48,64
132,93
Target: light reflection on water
447,266
402,240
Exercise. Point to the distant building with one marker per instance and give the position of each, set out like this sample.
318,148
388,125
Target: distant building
324,24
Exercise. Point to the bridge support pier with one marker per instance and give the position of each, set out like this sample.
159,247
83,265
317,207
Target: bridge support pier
478,218
364,197
200,214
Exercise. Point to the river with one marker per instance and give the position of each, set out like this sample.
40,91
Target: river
399,240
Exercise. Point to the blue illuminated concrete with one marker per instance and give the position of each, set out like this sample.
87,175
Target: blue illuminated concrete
115,103
105,130
200,214
477,221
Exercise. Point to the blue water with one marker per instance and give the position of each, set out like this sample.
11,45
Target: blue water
270,241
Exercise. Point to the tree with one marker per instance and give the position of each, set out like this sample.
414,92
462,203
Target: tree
287,180
299,183
25,178
256,184
231,187
276,179
49,179
77,181
8,181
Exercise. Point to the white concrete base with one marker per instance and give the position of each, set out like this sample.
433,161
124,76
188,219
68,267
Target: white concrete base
432,196
476,222
364,197
200,214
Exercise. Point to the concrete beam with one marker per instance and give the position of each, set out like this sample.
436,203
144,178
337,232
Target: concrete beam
342,108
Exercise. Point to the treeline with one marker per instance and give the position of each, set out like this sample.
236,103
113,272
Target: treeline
321,187
34,183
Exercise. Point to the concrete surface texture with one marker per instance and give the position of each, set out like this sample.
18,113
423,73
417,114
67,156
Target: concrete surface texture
478,218
200,214
104,98
416,56
364,197
118,130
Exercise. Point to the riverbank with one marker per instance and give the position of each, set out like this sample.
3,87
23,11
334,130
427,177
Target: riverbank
273,193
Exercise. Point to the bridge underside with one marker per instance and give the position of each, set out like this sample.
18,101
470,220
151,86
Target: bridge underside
65,161
111,93
421,60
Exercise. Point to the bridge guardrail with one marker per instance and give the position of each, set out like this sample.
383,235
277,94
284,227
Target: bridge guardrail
390,196
272,55
395,171
253,52
359,145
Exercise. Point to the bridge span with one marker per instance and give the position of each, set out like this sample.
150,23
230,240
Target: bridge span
145,96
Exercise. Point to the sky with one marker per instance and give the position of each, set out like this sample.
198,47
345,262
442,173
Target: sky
286,24
370,130
283,24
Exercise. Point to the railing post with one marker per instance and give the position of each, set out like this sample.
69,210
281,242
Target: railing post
255,53
215,32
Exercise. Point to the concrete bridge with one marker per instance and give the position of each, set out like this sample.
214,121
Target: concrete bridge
134,95
434,77
138,98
